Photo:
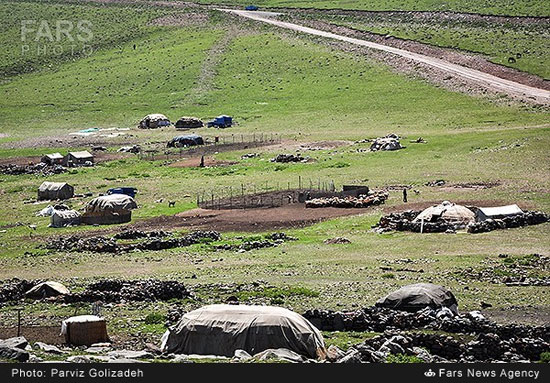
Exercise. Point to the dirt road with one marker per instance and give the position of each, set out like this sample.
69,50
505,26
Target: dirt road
489,81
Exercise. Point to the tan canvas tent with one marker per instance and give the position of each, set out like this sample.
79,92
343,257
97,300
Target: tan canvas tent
47,289
189,123
418,296
223,329
458,215
62,218
109,209
55,190
153,121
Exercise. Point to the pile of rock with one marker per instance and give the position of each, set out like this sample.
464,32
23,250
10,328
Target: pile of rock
381,319
269,240
130,149
14,349
389,142
138,234
404,221
114,290
527,218
15,289
156,240
443,349
285,158
362,201
41,169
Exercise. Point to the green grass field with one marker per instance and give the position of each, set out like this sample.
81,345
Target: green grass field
270,83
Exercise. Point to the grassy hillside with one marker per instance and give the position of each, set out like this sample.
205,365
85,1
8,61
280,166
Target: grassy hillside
43,46
527,44
491,7
285,85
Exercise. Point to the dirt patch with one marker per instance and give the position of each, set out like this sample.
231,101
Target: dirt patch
530,315
46,334
195,162
255,220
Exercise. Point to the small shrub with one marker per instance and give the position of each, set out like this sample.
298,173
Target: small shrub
388,276
154,318
402,358
545,357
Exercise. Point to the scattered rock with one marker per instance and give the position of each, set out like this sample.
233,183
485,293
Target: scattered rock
336,241
48,348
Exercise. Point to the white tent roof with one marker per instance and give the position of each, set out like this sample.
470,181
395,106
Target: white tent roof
501,210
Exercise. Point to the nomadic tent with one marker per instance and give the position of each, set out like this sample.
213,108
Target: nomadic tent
63,218
497,212
189,123
78,158
457,215
153,121
419,296
187,140
109,209
47,289
389,142
84,330
55,190
223,329
52,159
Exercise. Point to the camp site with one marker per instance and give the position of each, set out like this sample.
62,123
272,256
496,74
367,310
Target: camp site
309,182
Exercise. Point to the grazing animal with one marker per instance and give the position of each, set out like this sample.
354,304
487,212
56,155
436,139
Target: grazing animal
171,203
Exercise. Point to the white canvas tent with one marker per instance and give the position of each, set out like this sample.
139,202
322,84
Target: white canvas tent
458,215
498,212
223,329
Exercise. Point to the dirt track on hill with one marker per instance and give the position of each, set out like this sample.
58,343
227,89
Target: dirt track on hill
489,81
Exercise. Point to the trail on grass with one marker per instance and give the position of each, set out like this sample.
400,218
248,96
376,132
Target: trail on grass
486,80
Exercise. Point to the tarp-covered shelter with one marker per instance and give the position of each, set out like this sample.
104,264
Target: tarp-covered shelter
497,212
223,329
189,123
47,289
187,140
419,296
84,330
457,215
63,218
78,158
55,190
153,121
52,159
109,209
389,142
